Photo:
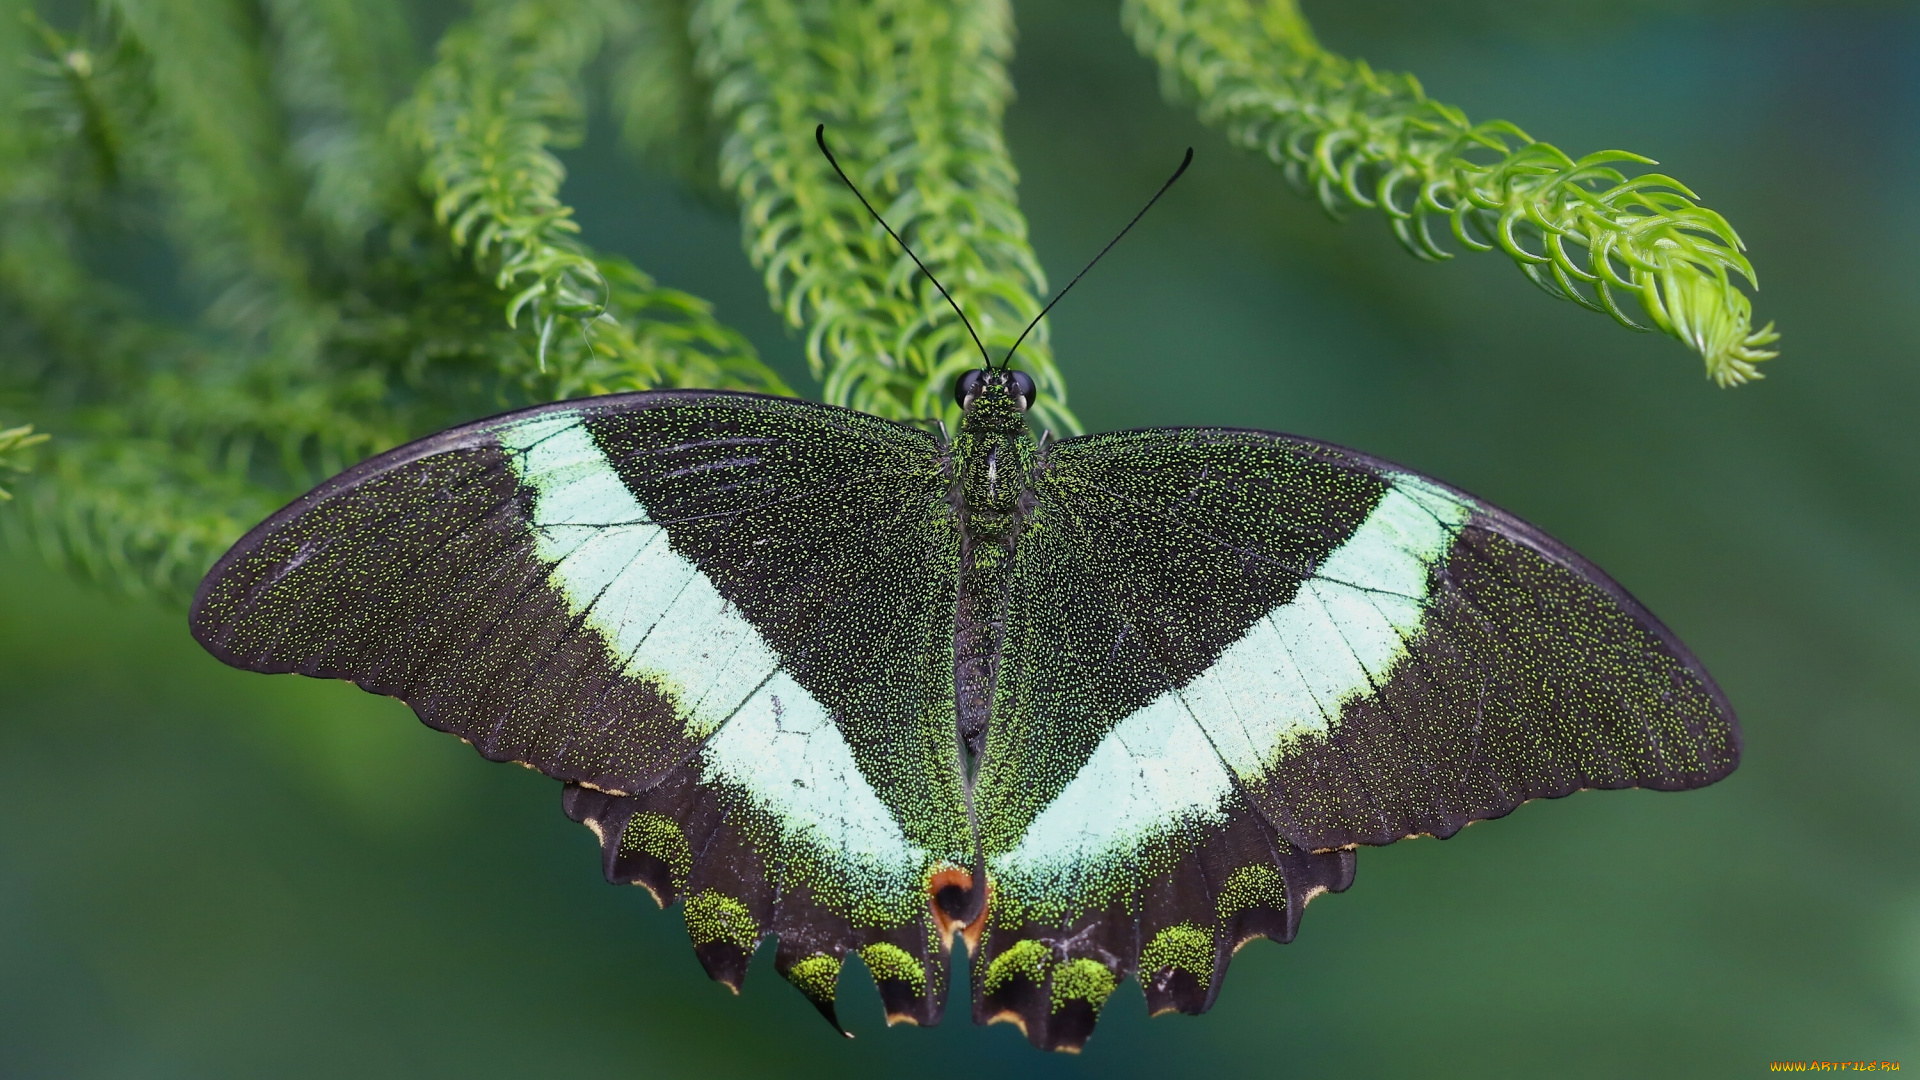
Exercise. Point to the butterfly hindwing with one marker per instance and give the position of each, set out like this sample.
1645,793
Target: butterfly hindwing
726,620
1231,654
678,841
1168,911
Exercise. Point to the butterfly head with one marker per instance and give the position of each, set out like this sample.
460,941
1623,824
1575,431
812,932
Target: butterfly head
995,398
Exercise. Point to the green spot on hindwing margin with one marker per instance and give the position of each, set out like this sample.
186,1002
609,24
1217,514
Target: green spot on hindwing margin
1181,947
1029,958
714,918
656,835
1250,887
816,976
888,961
1082,980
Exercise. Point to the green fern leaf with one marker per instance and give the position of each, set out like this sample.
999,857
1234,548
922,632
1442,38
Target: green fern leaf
912,93
13,441
1582,229
503,91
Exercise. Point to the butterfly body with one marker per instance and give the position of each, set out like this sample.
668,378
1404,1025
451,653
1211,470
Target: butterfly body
1103,709
993,460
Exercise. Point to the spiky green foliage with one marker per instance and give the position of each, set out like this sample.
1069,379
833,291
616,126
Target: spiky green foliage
1582,229
370,241
912,93
289,165
506,87
662,102
14,442
108,496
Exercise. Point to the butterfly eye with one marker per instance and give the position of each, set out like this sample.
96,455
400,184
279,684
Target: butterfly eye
1024,389
967,386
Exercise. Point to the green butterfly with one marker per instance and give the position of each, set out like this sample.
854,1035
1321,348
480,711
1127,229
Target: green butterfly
1102,708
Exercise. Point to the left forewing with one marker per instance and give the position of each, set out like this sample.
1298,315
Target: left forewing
726,620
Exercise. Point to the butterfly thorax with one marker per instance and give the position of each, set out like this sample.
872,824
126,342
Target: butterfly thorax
992,461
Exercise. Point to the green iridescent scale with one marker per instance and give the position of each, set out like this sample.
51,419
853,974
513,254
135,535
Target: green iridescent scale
1101,710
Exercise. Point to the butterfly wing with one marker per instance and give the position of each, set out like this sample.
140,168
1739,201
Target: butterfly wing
724,620
1233,655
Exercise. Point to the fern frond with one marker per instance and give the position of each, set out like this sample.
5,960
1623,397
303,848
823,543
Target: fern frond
135,401
83,101
1582,229
912,93
660,99
12,442
338,69
503,90
260,381
138,515
214,151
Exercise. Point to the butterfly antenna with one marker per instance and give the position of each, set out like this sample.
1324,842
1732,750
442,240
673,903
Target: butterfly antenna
820,136
1184,162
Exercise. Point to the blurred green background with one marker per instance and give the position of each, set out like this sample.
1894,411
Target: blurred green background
209,873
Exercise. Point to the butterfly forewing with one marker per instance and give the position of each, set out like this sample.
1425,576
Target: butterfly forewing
726,619
1232,654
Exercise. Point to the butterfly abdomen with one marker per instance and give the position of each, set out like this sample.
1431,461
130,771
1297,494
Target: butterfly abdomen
992,477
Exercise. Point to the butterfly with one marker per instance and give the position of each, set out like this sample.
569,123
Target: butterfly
1097,709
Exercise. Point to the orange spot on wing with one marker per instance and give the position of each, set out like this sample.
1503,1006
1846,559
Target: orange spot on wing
947,887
